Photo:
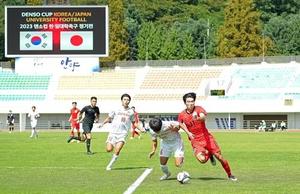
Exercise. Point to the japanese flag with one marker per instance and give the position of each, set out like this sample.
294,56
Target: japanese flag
79,40
33,40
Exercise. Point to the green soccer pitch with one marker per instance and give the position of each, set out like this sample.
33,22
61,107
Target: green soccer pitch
262,162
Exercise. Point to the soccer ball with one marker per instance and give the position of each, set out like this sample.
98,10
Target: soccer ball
183,177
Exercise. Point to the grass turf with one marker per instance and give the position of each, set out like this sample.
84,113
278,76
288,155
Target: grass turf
263,163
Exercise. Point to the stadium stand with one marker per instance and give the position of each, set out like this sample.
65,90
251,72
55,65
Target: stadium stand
12,81
159,78
250,89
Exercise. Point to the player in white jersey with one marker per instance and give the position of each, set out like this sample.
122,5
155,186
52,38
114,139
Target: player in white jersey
171,143
33,115
121,120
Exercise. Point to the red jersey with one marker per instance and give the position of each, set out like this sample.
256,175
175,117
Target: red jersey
74,113
196,127
136,119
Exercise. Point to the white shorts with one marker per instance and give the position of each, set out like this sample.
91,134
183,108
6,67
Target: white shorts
167,149
33,124
114,138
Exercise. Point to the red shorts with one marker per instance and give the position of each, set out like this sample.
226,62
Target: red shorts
75,125
201,144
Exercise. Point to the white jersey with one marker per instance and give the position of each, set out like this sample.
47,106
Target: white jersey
166,134
171,142
33,118
121,120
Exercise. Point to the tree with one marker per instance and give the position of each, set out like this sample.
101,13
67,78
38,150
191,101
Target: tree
187,49
240,35
271,8
132,24
284,32
117,33
149,41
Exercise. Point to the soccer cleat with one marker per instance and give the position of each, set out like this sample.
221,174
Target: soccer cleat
89,153
108,168
165,176
70,139
232,178
212,160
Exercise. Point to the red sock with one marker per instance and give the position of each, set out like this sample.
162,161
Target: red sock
226,167
72,134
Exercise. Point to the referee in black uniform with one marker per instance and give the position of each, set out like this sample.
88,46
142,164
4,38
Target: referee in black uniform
90,114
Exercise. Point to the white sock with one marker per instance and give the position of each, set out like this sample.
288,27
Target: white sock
164,168
32,132
112,161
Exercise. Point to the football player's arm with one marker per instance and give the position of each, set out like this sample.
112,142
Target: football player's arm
199,116
184,128
80,117
70,119
136,124
97,118
107,120
154,146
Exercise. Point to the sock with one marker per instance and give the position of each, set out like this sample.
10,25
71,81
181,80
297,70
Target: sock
88,145
72,133
32,132
35,133
78,135
112,161
226,167
164,168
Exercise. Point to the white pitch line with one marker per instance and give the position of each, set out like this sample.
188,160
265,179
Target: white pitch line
138,181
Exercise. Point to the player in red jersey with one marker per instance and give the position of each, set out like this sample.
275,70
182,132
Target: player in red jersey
203,143
133,127
74,122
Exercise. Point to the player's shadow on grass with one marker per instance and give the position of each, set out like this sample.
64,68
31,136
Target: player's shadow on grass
207,178
131,168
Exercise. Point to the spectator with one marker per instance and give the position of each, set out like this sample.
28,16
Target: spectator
262,126
10,121
273,126
283,126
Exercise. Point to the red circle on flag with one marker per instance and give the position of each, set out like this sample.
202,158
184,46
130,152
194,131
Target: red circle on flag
76,40
36,40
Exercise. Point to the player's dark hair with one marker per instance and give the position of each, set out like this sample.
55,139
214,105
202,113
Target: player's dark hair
93,98
189,95
126,95
74,103
33,107
155,124
133,107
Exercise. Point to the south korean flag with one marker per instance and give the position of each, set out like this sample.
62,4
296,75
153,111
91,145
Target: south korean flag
32,40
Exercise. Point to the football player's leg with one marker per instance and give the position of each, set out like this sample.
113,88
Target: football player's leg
78,133
164,168
200,152
165,153
71,135
179,154
225,165
110,142
118,148
88,142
